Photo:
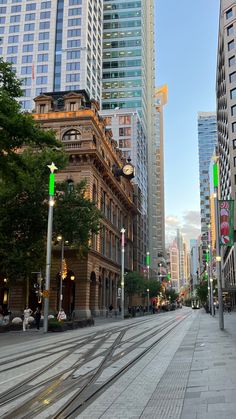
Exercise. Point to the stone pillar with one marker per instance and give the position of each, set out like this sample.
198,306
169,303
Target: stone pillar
115,292
94,294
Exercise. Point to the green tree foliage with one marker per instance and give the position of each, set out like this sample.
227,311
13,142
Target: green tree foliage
76,218
171,295
154,287
134,283
202,292
16,127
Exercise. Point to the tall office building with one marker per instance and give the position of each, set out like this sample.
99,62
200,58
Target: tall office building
207,139
53,45
226,122
156,197
128,82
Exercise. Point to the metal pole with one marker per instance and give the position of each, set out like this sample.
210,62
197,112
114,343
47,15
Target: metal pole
122,273
218,261
48,264
46,292
61,276
148,277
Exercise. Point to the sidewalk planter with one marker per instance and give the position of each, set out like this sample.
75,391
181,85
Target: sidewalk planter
10,327
55,326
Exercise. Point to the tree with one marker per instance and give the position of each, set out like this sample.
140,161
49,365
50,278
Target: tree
171,294
17,128
134,283
154,287
202,292
76,218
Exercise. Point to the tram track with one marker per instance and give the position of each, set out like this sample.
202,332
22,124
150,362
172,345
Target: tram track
57,387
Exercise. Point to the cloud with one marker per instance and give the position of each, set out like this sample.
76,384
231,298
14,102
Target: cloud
188,223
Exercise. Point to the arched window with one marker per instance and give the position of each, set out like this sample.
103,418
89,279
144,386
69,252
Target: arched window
71,135
94,194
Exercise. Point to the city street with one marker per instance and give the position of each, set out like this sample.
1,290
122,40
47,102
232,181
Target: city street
171,365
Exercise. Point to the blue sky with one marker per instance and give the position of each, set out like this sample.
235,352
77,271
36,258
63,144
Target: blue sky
186,50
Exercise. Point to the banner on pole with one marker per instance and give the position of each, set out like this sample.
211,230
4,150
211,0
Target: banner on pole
226,210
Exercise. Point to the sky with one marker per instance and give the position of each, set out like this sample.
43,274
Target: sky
186,53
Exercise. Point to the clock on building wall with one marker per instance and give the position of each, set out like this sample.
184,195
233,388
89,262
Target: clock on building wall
127,171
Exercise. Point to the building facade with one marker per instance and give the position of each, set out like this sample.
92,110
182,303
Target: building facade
207,139
156,195
53,45
226,124
174,266
93,280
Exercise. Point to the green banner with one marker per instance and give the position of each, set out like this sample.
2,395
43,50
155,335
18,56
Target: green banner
51,184
148,259
226,228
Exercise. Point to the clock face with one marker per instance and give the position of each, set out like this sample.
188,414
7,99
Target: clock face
128,169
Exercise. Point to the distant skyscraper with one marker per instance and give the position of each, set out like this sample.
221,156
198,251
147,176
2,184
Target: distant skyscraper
194,264
53,45
156,196
207,139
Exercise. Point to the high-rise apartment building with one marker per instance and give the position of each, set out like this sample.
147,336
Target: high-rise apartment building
174,266
156,198
226,123
53,45
207,139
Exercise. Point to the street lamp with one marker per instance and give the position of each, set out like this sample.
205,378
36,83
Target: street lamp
60,239
148,273
122,272
51,203
218,257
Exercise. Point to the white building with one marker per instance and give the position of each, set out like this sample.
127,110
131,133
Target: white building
53,45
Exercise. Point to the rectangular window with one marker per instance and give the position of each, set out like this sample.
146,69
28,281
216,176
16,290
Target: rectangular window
232,61
14,28
71,55
12,50
124,120
26,81
29,16
2,20
40,90
234,161
233,93
229,14
30,6
43,47
29,27
72,77
123,132
42,57
41,80
75,11
26,70
28,48
27,59
230,45
28,37
45,15
44,25
233,110
73,43
232,77
230,30
46,5
74,2
26,104
12,60
71,33
43,36
42,68
234,127
72,66
14,9
234,144
74,22
15,19
13,39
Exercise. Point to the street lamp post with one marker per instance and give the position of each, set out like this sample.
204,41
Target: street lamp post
60,238
148,275
218,257
51,202
122,273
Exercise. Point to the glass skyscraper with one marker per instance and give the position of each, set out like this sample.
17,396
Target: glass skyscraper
207,139
53,45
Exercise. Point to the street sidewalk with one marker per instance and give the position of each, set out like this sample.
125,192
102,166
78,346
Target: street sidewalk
211,386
